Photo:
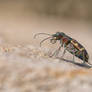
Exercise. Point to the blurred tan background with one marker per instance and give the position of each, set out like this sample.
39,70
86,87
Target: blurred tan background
24,67
21,19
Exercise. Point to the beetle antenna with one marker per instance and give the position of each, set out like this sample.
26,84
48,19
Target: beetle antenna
41,33
44,40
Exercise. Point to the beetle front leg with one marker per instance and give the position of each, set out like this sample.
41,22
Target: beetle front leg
56,52
61,42
63,53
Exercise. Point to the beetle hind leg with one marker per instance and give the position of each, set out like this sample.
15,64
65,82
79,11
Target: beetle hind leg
73,57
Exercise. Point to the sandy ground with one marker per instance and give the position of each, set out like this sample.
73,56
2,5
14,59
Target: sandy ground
25,67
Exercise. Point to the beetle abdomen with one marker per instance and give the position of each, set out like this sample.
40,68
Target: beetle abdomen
78,50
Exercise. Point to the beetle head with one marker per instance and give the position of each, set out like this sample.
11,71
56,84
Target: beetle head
53,38
57,36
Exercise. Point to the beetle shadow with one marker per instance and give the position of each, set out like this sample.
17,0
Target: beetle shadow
78,64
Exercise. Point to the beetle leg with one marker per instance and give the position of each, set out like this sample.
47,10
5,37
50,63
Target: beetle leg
63,53
61,42
73,56
56,52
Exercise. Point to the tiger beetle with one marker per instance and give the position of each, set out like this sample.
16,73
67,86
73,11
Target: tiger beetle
69,44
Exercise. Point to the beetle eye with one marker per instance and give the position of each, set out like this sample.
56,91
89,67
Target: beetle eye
58,33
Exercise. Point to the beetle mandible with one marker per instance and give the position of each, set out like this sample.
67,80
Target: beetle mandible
70,45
